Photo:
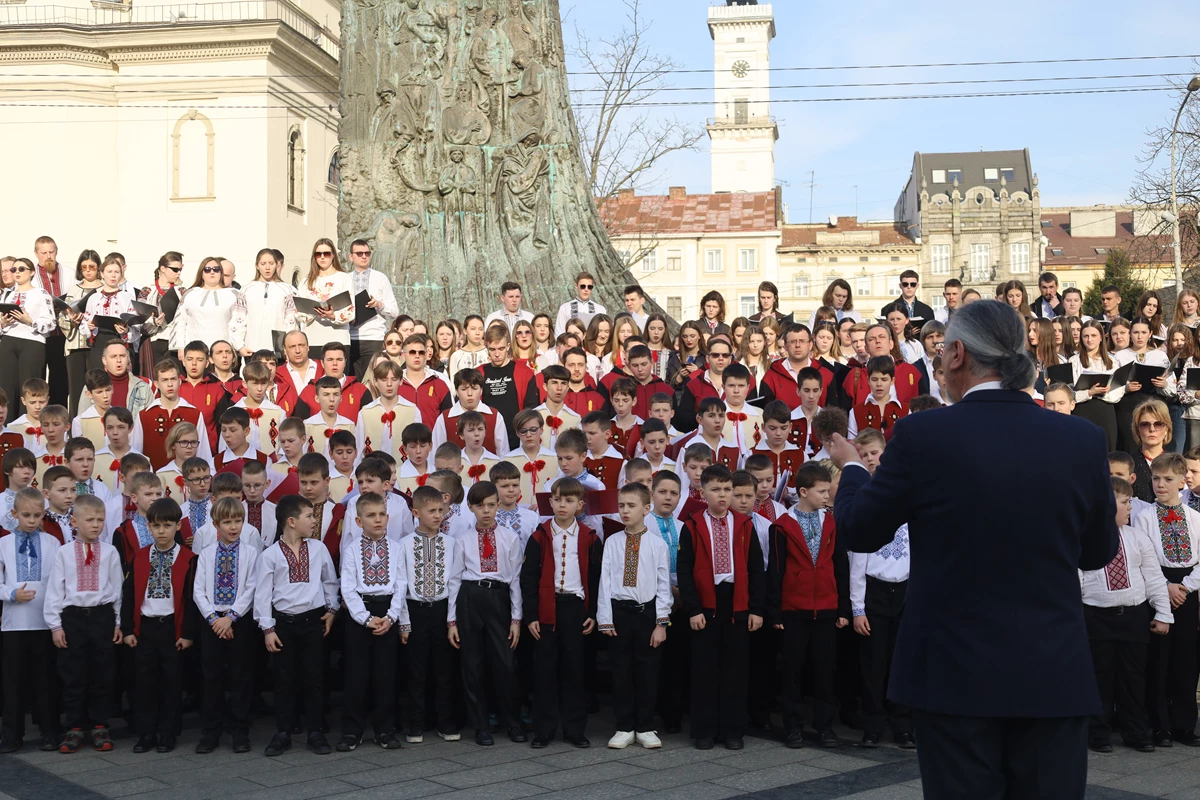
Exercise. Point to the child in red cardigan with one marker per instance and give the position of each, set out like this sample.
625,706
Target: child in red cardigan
808,599
560,580
721,587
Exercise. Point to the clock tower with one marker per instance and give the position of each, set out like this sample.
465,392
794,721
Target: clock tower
742,131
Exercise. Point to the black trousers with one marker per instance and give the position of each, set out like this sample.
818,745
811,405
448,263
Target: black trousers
1103,415
634,665
484,612
228,662
808,641
885,606
159,678
675,672
86,665
1118,638
300,669
77,367
429,647
360,355
20,360
370,664
764,687
720,663
1171,667
28,667
1001,759
54,362
560,691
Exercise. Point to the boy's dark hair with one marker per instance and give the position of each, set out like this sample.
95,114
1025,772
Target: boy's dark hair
809,374
600,418
470,419
313,464
1121,488
468,377
654,425
451,483
504,471
625,386
830,420
342,438
235,416
326,382
638,489
164,509
715,473
119,413
573,441
1191,454
924,402
660,398
1123,459
290,507
568,487
52,474
810,474
743,478
480,492
18,457
884,365
697,452
756,462
424,495
253,467
665,475
708,404
372,468
384,456
226,483
97,379
776,411
256,372
555,372
192,464
368,499
294,425
447,450
527,417
737,372
75,444
196,346
416,433
134,462
638,351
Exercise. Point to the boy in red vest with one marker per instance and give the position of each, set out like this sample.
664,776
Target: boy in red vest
468,385
159,604
721,587
560,580
808,598
879,411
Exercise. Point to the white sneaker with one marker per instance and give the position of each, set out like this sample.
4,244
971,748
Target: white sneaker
649,740
622,739
450,737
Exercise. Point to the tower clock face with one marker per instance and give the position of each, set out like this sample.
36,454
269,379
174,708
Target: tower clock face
741,68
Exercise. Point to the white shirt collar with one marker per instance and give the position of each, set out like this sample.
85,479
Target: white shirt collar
986,386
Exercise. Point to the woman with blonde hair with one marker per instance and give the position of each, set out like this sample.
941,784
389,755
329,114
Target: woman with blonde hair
1150,432
1187,309
524,348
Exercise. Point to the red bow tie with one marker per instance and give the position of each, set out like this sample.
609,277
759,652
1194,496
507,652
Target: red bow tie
115,465
329,432
475,471
130,504
389,417
52,460
255,413
554,422
292,470
734,416
422,478
1172,516
534,467
34,431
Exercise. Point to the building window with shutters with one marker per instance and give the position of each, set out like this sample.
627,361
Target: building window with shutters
674,307
650,261
713,261
295,169
747,305
674,260
981,263
801,286
748,261
940,259
1019,264
862,286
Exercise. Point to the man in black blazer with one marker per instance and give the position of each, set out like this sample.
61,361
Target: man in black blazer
992,653
918,312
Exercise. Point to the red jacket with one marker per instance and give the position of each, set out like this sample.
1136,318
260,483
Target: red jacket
858,385
522,376
283,375
585,401
352,399
227,462
804,586
182,576
432,397
489,426
729,456
205,396
157,422
698,586
867,415
778,383
540,573
625,441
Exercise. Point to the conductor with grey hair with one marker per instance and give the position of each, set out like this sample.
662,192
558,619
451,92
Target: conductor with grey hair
992,654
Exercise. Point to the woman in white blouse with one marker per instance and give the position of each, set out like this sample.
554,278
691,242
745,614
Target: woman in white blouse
1096,404
110,300
269,305
326,279
23,345
209,311
87,279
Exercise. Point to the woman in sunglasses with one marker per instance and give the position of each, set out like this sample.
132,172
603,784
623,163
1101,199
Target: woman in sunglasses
326,279
87,280
23,345
210,312
166,296
1151,432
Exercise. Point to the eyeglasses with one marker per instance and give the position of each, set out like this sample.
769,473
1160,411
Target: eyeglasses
720,355
188,443
524,333
323,253
528,431
361,253
586,286
23,268
211,270
416,352
909,284
201,479
173,269
1152,425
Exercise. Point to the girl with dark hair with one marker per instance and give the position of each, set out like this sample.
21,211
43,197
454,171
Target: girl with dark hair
165,295
1092,358
23,343
690,351
1150,306
768,305
712,315
87,280
1180,349
326,279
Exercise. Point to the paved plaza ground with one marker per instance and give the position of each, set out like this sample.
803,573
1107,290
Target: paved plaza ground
765,770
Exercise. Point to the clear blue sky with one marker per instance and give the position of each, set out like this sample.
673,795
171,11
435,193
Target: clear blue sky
1083,147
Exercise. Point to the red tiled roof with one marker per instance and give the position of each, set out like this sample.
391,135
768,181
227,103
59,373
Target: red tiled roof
1080,251
748,212
798,236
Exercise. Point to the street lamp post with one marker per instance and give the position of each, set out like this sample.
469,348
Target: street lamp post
1192,86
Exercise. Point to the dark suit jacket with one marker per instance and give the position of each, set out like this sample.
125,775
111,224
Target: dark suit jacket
1038,307
919,310
993,620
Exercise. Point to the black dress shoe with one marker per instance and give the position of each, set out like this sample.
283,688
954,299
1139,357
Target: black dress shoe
870,740
388,741
347,743
10,744
540,742
207,744
705,743
319,744
145,743
165,744
517,734
50,742
1143,747
673,728
577,741
1187,738
279,744
1100,746
1162,739
829,739
483,738
735,743
241,742
906,741
794,739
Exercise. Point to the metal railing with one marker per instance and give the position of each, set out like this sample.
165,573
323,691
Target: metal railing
176,14
732,120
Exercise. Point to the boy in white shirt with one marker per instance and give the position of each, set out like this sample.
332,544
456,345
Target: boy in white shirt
556,381
764,642
260,512
226,485
477,459
511,514
26,558
320,426
81,460
674,669
84,581
1123,604
743,422
417,441
533,460
54,433
19,466
118,427
1121,465
653,445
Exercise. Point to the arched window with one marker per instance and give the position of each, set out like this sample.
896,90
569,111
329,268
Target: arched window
334,177
193,153
295,168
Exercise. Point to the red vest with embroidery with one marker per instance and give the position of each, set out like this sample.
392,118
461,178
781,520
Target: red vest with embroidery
808,586
607,469
868,415
625,441
741,529
331,537
489,423
547,610
141,576
157,422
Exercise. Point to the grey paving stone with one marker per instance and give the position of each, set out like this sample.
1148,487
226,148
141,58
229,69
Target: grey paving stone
1186,794
300,791
567,757
1160,781
398,773
887,793
508,790
395,791
763,759
471,755
324,768
216,788
697,791
409,754
772,777
596,791
132,786
497,773
582,776
656,779
665,759
837,762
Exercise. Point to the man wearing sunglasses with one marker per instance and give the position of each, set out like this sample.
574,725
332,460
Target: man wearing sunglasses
582,308
368,330
908,296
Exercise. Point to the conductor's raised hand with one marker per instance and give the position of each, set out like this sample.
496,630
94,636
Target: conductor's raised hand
841,451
